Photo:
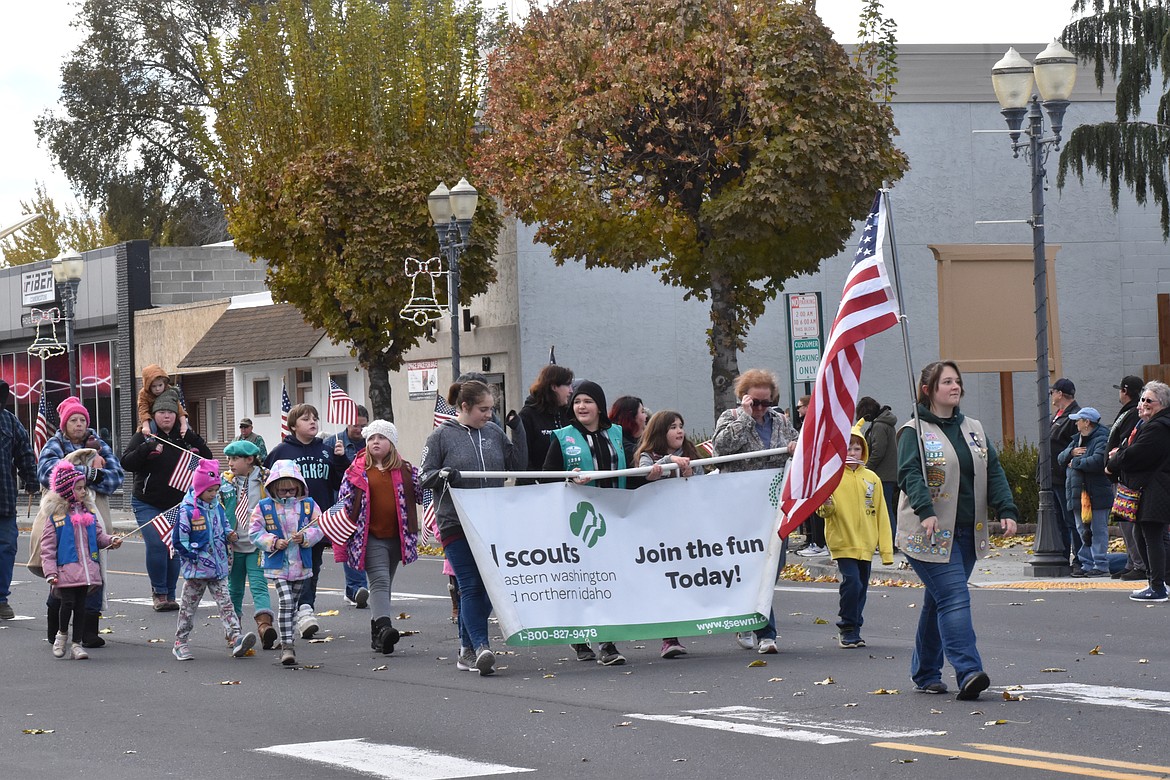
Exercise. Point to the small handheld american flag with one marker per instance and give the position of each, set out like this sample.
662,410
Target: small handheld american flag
336,524
165,523
342,409
184,471
443,411
285,406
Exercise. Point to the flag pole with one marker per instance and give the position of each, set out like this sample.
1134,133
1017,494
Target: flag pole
903,321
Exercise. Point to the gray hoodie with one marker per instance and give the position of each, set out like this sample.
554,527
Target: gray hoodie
455,446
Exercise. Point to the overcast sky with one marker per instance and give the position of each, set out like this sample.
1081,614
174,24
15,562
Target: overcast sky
35,38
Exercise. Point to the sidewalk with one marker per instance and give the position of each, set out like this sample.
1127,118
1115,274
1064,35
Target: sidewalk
1005,567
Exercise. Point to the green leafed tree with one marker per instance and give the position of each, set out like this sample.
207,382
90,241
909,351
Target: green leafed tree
54,231
132,99
333,120
729,145
1130,41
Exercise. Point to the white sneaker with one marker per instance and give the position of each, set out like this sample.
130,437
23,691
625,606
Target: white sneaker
307,624
767,647
812,551
59,643
746,639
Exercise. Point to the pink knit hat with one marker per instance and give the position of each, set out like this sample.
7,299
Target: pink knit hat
206,475
69,407
65,476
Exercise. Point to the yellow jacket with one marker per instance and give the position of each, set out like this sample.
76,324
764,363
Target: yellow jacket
856,520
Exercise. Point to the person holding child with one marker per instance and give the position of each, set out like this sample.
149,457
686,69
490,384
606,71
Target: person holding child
665,441
153,458
241,491
380,492
156,382
69,545
856,523
202,536
286,518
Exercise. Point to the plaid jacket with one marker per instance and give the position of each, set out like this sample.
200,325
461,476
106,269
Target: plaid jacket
16,457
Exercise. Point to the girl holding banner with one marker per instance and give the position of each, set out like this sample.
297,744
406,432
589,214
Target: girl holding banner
470,442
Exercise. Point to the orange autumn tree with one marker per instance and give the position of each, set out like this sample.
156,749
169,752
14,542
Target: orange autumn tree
729,145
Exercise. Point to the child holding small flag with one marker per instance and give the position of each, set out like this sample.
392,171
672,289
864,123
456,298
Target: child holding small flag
69,551
856,523
241,491
201,539
379,495
286,518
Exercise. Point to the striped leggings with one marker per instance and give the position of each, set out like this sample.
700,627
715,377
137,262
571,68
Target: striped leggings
288,591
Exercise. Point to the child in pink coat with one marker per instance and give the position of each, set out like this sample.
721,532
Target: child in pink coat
69,551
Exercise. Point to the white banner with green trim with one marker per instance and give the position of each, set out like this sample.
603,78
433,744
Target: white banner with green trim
566,563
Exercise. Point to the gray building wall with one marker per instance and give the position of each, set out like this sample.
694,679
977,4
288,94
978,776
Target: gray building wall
189,274
634,335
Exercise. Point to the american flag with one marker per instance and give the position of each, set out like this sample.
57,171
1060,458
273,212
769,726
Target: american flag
336,524
243,511
867,307
706,448
285,405
342,409
443,411
165,523
184,471
41,432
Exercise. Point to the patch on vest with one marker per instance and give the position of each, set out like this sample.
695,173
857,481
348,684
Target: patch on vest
936,461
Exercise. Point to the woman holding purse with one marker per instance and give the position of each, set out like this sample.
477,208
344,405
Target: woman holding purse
1143,465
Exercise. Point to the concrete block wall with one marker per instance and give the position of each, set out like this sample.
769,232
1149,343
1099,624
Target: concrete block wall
191,274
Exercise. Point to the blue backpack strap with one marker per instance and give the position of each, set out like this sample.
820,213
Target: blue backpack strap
302,521
275,559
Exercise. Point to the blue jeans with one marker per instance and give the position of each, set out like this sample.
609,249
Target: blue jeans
944,625
769,631
354,579
162,569
854,589
1094,553
474,604
8,537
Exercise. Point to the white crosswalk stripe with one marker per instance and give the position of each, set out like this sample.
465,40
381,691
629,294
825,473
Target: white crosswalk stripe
1104,695
390,762
781,725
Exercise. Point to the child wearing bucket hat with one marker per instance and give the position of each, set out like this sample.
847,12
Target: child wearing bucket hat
241,491
201,538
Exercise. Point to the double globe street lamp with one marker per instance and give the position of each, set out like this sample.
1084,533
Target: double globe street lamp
1055,73
451,212
68,268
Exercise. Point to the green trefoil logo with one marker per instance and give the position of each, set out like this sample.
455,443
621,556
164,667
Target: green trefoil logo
587,524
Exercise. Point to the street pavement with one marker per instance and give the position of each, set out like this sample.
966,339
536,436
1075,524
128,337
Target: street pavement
1076,669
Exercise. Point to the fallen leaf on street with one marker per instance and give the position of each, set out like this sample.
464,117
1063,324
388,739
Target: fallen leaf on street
105,630
776,679
403,616
1054,669
1012,697
129,752
535,712
549,676
695,693
309,666
381,668
415,633
756,664
623,723
323,639
1143,660
903,760
820,622
884,691
38,731
229,682
679,760
826,681
936,712
329,613
851,704
154,641
1096,650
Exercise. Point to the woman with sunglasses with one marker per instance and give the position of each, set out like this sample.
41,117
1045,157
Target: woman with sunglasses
1144,463
752,426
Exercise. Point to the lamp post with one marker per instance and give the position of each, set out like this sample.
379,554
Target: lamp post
67,270
1055,74
451,211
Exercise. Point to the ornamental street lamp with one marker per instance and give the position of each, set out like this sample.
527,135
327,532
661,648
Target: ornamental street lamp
1055,74
68,268
452,211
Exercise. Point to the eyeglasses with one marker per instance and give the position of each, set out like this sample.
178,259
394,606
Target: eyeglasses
1148,401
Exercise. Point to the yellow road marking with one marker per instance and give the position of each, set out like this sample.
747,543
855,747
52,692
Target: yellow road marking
1066,757
1068,769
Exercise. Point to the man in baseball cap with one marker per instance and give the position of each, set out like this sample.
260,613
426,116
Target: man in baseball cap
1131,386
1062,395
247,434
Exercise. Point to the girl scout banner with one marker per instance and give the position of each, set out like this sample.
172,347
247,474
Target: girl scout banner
566,563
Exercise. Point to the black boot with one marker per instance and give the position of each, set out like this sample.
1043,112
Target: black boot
374,635
53,619
385,635
90,636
